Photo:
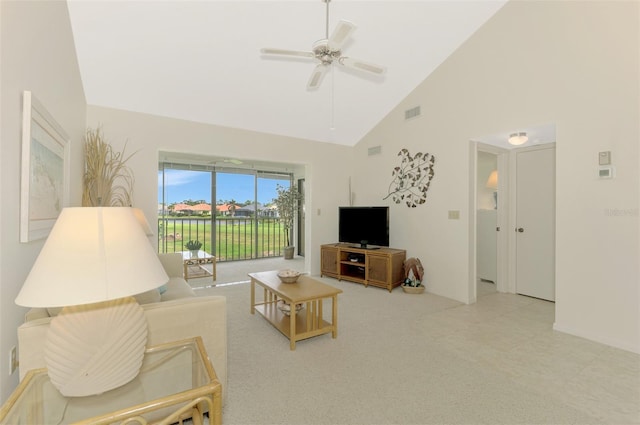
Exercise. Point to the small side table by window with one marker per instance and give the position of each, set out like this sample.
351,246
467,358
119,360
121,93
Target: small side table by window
196,261
176,382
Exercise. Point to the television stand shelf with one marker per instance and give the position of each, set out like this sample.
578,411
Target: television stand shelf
380,267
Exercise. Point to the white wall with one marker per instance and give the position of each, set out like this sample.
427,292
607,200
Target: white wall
572,63
326,165
37,54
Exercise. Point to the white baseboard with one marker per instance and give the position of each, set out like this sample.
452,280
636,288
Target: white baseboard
598,338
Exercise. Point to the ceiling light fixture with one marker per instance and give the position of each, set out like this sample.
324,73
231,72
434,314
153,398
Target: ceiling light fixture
517,139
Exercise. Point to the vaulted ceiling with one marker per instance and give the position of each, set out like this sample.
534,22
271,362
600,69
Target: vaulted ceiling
201,60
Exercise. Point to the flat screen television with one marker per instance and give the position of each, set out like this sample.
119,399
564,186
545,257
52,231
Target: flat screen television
364,226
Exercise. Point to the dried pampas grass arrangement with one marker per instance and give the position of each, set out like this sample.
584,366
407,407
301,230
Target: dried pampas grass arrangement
107,181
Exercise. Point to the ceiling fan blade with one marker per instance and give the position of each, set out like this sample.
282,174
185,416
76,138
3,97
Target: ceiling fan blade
317,76
340,34
361,65
269,51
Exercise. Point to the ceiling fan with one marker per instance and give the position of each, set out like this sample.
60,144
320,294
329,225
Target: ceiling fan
328,51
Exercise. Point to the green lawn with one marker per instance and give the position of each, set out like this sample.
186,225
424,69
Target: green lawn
235,239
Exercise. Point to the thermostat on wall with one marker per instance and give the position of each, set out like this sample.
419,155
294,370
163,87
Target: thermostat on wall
606,172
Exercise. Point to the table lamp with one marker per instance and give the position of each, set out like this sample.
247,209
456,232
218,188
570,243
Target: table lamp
94,259
492,183
143,221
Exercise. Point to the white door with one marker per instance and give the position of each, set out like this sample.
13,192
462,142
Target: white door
535,222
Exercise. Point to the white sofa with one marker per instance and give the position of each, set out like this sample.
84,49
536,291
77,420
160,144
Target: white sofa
175,314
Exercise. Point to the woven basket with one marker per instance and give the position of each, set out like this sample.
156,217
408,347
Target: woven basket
413,289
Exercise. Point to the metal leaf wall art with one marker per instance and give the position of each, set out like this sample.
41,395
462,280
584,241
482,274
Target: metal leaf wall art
411,179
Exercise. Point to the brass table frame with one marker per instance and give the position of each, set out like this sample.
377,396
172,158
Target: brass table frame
26,404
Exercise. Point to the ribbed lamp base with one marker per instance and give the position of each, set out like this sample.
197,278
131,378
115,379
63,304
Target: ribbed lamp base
94,348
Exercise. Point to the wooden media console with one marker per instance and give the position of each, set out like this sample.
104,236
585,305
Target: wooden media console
381,267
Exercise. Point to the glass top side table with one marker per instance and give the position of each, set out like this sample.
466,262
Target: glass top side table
195,262
176,382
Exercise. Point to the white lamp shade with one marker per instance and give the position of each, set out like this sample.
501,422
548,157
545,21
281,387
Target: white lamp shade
92,254
143,221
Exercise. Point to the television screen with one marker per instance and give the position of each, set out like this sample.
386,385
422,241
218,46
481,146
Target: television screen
364,226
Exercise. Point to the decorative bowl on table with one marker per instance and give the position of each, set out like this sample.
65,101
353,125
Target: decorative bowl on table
286,308
289,276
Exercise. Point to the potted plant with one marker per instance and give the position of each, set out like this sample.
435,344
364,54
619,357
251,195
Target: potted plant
287,203
193,246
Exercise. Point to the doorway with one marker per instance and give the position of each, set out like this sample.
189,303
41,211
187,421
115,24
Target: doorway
490,214
487,223
540,138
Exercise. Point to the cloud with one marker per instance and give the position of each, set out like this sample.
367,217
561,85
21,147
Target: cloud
176,178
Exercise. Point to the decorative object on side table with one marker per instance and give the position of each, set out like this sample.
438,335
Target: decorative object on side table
93,261
414,275
287,203
193,246
289,276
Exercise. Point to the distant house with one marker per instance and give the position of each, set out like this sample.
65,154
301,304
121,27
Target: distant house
201,209
249,210
270,211
226,210
185,209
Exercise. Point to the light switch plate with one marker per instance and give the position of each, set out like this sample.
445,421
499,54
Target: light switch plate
604,158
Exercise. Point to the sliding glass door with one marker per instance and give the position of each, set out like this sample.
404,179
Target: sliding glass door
184,209
241,222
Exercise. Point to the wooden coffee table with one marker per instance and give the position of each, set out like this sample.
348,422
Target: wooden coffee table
309,321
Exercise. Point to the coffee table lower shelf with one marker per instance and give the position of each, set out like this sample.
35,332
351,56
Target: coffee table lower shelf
306,322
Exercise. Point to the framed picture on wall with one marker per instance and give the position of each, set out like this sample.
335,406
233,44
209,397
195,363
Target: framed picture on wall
44,188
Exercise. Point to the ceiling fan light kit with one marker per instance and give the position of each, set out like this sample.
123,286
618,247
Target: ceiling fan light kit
329,51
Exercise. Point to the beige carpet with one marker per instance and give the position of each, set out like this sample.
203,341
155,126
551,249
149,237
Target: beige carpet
424,359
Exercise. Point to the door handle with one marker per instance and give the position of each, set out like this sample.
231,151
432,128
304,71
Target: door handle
498,229
519,230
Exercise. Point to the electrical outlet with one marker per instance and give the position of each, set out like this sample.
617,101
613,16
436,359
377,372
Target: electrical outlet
13,360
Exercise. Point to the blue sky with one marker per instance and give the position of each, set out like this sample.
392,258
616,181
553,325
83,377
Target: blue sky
182,185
